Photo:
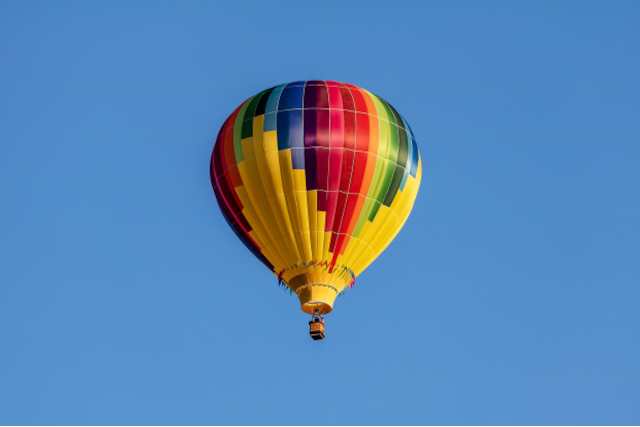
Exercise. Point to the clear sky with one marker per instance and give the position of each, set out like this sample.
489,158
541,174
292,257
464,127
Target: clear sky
511,296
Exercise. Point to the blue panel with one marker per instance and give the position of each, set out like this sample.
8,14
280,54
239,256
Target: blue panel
409,164
406,124
270,122
270,118
404,179
291,97
274,98
283,130
296,137
414,161
297,158
290,129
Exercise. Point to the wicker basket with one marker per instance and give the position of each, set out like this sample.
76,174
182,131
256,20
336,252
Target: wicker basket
316,330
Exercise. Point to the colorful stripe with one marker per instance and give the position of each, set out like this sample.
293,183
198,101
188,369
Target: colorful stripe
316,178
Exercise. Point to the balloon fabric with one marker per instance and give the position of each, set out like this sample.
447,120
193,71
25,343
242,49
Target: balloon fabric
316,178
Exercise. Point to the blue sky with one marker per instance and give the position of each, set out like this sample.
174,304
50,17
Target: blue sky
511,296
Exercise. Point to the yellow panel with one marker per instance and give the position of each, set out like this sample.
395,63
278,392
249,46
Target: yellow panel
350,249
252,191
322,216
269,207
292,203
312,203
281,203
397,199
354,244
380,223
363,252
275,229
384,220
270,141
278,202
326,255
411,187
300,180
258,135
395,223
266,205
247,148
358,250
300,183
250,215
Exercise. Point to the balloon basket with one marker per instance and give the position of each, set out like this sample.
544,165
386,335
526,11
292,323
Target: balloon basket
316,330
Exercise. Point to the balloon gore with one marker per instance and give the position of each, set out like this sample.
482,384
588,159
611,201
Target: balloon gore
316,178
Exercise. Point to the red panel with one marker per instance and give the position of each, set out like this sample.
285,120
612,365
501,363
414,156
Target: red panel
322,200
337,129
322,128
323,178
349,130
216,163
362,137
231,194
347,99
358,98
338,220
359,169
343,240
321,96
356,213
323,169
347,170
335,98
332,244
235,176
228,155
336,158
349,212
332,200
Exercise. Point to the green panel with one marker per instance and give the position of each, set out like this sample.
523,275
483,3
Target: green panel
396,115
403,148
393,137
374,211
391,166
383,124
393,143
404,139
393,131
386,182
363,217
386,106
237,132
247,121
398,174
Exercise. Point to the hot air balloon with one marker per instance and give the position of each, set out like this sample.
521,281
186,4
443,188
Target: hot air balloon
316,178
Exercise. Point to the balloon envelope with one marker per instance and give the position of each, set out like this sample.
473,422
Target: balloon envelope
316,178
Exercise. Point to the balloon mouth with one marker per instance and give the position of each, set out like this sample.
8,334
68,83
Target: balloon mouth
316,296
321,306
